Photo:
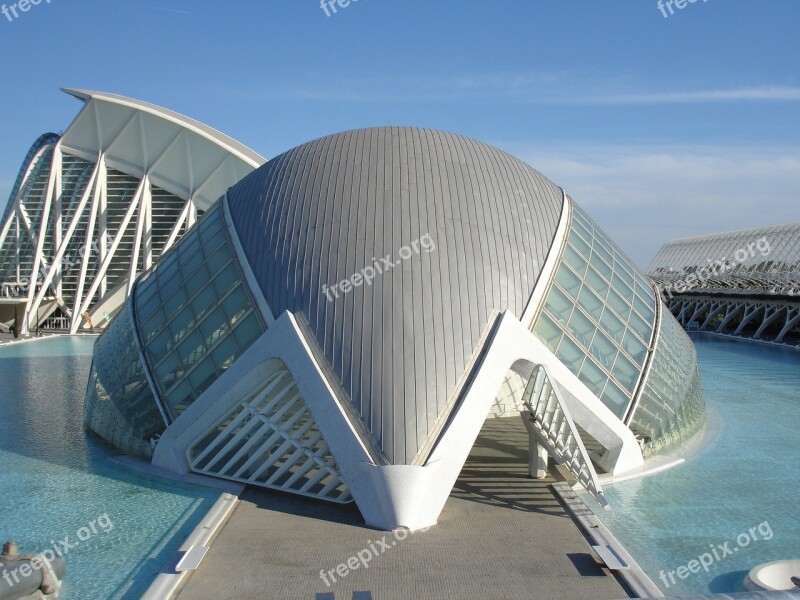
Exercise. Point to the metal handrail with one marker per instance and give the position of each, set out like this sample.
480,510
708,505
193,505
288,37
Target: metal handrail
551,421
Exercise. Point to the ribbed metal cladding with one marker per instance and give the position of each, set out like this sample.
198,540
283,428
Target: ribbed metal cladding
319,213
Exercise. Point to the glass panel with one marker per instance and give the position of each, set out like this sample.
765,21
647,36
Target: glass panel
626,373
620,272
180,398
152,326
548,332
622,288
197,281
570,282
604,255
225,280
590,303
204,302
145,310
612,325
188,250
582,220
603,246
193,263
615,399
559,305
180,350
181,324
214,326
191,348
159,346
169,371
202,376
212,243
582,247
247,332
570,354
593,377
636,349
574,260
644,309
219,260
601,266
603,349
224,354
120,406
235,304
616,302
175,304
597,283
167,285
167,270
581,327
640,326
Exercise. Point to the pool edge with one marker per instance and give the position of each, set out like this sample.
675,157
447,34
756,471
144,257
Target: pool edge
168,582
634,579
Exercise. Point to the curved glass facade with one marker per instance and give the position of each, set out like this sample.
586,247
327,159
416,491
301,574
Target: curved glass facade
120,406
598,315
671,407
195,314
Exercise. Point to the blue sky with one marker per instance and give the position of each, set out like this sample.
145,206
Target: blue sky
659,127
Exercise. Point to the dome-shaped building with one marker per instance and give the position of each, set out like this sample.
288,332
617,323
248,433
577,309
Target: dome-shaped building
341,323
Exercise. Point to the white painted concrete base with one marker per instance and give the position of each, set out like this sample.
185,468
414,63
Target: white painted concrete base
392,496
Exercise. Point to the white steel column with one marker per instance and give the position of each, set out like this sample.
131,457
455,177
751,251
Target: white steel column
55,269
101,273
144,210
39,255
90,242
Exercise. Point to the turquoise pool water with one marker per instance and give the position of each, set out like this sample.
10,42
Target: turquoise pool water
749,478
57,485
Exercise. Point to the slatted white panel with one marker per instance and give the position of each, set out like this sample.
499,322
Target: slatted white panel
270,440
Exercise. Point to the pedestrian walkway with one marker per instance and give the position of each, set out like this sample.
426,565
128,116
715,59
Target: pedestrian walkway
501,535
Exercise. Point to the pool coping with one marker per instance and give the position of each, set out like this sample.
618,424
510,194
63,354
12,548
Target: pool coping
168,581
44,336
658,464
634,579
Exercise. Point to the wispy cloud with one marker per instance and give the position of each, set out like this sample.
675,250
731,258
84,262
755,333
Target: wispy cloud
645,195
176,11
512,88
763,93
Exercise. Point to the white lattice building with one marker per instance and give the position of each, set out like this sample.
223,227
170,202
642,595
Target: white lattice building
96,206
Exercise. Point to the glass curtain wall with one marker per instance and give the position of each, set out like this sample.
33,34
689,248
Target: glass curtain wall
195,314
599,315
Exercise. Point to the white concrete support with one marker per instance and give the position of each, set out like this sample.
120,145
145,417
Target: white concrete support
391,496
792,318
